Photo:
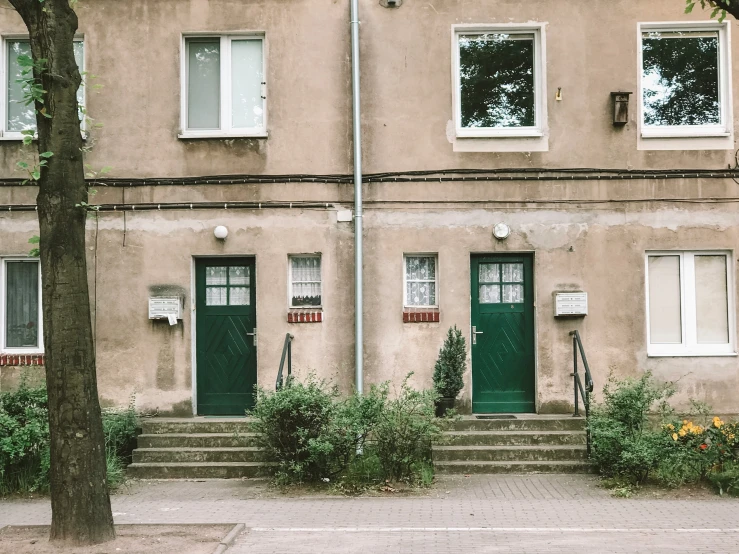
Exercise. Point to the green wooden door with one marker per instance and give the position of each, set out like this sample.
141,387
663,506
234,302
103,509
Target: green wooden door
225,313
503,343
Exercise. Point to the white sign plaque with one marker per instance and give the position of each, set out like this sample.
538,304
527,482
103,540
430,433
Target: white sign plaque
571,304
162,307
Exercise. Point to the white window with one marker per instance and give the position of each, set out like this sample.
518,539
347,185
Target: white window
685,80
17,116
223,86
690,303
498,81
421,280
305,281
20,284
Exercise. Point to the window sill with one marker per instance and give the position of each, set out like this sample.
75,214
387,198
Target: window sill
684,133
25,359
221,135
499,134
691,354
421,315
305,316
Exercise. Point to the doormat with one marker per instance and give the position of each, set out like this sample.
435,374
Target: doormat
495,417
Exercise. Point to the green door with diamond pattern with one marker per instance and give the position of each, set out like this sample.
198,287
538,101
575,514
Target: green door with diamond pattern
502,334
225,312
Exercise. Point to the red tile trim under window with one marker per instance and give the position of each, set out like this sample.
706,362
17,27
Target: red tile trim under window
21,359
419,315
304,317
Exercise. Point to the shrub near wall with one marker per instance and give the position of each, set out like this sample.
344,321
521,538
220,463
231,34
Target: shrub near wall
626,445
24,440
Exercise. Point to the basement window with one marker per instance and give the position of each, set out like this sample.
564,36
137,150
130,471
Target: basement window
305,281
223,87
18,116
20,304
690,304
685,80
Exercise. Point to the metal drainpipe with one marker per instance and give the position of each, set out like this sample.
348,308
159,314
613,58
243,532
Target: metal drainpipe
356,116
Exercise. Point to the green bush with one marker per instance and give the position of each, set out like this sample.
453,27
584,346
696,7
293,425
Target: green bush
623,443
310,432
451,364
24,440
726,479
404,433
314,435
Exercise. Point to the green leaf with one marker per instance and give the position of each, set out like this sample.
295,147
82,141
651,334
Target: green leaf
36,174
22,165
34,239
46,154
689,5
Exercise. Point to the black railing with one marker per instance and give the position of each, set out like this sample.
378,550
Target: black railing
287,352
581,390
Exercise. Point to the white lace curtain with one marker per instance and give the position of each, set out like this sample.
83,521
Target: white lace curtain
305,281
420,281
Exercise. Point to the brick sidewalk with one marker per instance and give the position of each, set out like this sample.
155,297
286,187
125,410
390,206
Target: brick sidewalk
496,513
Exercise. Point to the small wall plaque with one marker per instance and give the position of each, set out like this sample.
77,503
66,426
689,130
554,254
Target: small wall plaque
165,307
571,304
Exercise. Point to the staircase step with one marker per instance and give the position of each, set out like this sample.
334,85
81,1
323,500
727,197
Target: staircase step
521,423
199,470
176,455
151,426
512,438
509,453
196,440
457,467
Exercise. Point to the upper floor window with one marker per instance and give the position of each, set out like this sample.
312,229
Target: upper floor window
498,78
21,305
685,80
305,281
421,280
690,304
18,116
223,86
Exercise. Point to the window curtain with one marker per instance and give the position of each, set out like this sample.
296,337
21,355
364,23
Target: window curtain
22,305
306,281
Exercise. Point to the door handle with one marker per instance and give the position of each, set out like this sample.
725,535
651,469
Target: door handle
475,332
254,334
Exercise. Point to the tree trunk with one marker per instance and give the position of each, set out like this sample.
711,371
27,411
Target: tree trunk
80,502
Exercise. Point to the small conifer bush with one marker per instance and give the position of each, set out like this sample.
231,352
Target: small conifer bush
450,365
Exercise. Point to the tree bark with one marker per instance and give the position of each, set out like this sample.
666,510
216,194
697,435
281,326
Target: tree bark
80,502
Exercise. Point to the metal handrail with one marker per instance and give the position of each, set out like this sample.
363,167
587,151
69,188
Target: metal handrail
287,351
586,390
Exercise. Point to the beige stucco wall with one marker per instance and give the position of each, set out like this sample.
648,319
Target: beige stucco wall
133,49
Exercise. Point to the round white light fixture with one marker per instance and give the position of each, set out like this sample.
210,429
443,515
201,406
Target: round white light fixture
501,231
220,232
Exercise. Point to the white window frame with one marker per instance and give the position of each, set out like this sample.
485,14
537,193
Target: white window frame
225,87
290,281
539,80
3,314
725,127
689,344
407,255
14,135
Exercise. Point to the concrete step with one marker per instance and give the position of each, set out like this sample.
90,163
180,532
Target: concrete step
509,453
196,440
521,423
155,425
458,467
211,455
199,470
512,438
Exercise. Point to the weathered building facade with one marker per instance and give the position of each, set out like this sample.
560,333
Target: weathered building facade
474,114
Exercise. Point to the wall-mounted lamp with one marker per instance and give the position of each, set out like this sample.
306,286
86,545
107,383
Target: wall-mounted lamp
501,231
620,107
220,232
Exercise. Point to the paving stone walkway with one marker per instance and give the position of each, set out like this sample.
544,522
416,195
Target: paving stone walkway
496,513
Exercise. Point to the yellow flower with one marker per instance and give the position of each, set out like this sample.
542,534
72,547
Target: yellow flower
674,436
685,421
717,422
671,427
682,432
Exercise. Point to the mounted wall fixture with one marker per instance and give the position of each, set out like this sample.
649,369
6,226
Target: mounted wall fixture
620,107
501,231
391,3
220,232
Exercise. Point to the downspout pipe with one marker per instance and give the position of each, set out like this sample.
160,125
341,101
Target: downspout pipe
358,253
